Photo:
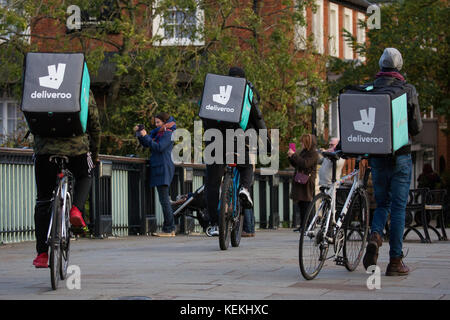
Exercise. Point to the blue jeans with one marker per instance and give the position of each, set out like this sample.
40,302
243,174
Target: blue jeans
164,200
249,221
391,181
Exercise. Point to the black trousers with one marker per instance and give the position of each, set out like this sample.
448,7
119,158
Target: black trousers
45,174
214,174
303,208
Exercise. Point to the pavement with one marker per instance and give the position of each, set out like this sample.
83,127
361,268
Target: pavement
193,267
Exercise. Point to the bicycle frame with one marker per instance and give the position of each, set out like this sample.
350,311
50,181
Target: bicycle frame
232,169
63,191
331,192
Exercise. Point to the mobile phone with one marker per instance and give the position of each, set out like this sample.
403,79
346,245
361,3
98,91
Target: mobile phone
292,146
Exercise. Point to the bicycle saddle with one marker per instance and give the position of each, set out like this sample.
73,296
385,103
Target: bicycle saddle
56,158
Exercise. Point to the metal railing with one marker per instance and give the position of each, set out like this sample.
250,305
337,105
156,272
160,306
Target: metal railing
121,203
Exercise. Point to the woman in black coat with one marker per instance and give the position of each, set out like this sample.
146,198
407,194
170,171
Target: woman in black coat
304,161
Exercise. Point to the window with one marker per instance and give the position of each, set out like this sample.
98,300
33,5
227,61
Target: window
361,33
300,34
11,119
348,26
333,30
333,119
317,26
9,30
179,27
320,122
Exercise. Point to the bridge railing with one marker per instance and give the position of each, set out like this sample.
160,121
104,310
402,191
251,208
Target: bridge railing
121,202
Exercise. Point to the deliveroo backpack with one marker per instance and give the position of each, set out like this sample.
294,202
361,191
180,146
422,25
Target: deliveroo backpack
226,102
373,120
56,94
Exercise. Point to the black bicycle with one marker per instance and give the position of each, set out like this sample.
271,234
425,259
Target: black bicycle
231,214
59,232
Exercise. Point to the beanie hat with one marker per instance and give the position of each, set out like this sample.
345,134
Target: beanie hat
391,59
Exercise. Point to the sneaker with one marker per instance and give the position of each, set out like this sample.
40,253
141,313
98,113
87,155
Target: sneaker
76,218
213,231
41,261
165,234
245,197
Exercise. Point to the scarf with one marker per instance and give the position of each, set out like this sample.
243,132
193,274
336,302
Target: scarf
392,74
159,132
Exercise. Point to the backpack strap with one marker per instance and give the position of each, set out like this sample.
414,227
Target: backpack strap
255,92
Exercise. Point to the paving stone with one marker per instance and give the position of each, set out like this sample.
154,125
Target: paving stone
194,268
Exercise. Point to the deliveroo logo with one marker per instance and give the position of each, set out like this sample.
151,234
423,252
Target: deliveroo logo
224,96
55,77
367,122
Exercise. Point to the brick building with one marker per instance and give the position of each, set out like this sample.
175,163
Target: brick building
325,24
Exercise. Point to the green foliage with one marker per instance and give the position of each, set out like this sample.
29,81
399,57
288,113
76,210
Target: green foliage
150,77
419,30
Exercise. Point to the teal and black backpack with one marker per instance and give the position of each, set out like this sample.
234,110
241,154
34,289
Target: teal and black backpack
373,120
226,102
55,96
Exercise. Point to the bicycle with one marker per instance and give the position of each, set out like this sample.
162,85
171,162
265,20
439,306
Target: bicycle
59,232
230,227
348,234
231,214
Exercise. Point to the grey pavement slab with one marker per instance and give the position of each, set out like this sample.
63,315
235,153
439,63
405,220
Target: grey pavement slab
194,268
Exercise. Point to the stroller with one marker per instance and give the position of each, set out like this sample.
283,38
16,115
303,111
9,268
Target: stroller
184,204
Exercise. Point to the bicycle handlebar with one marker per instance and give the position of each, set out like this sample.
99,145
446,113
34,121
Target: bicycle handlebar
332,155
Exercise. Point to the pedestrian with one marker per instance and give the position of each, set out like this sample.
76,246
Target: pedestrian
391,175
249,223
305,163
162,167
326,168
428,178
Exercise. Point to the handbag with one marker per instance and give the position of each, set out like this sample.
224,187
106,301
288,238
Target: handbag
301,177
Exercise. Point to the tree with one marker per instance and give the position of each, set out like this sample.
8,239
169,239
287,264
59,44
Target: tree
148,77
419,30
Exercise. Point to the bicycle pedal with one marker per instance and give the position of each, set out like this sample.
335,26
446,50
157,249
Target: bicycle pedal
340,261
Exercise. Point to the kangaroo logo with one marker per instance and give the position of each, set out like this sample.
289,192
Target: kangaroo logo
55,76
224,96
367,122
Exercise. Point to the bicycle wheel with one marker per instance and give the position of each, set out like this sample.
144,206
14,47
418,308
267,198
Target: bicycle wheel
55,242
312,249
65,241
356,228
238,225
225,212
